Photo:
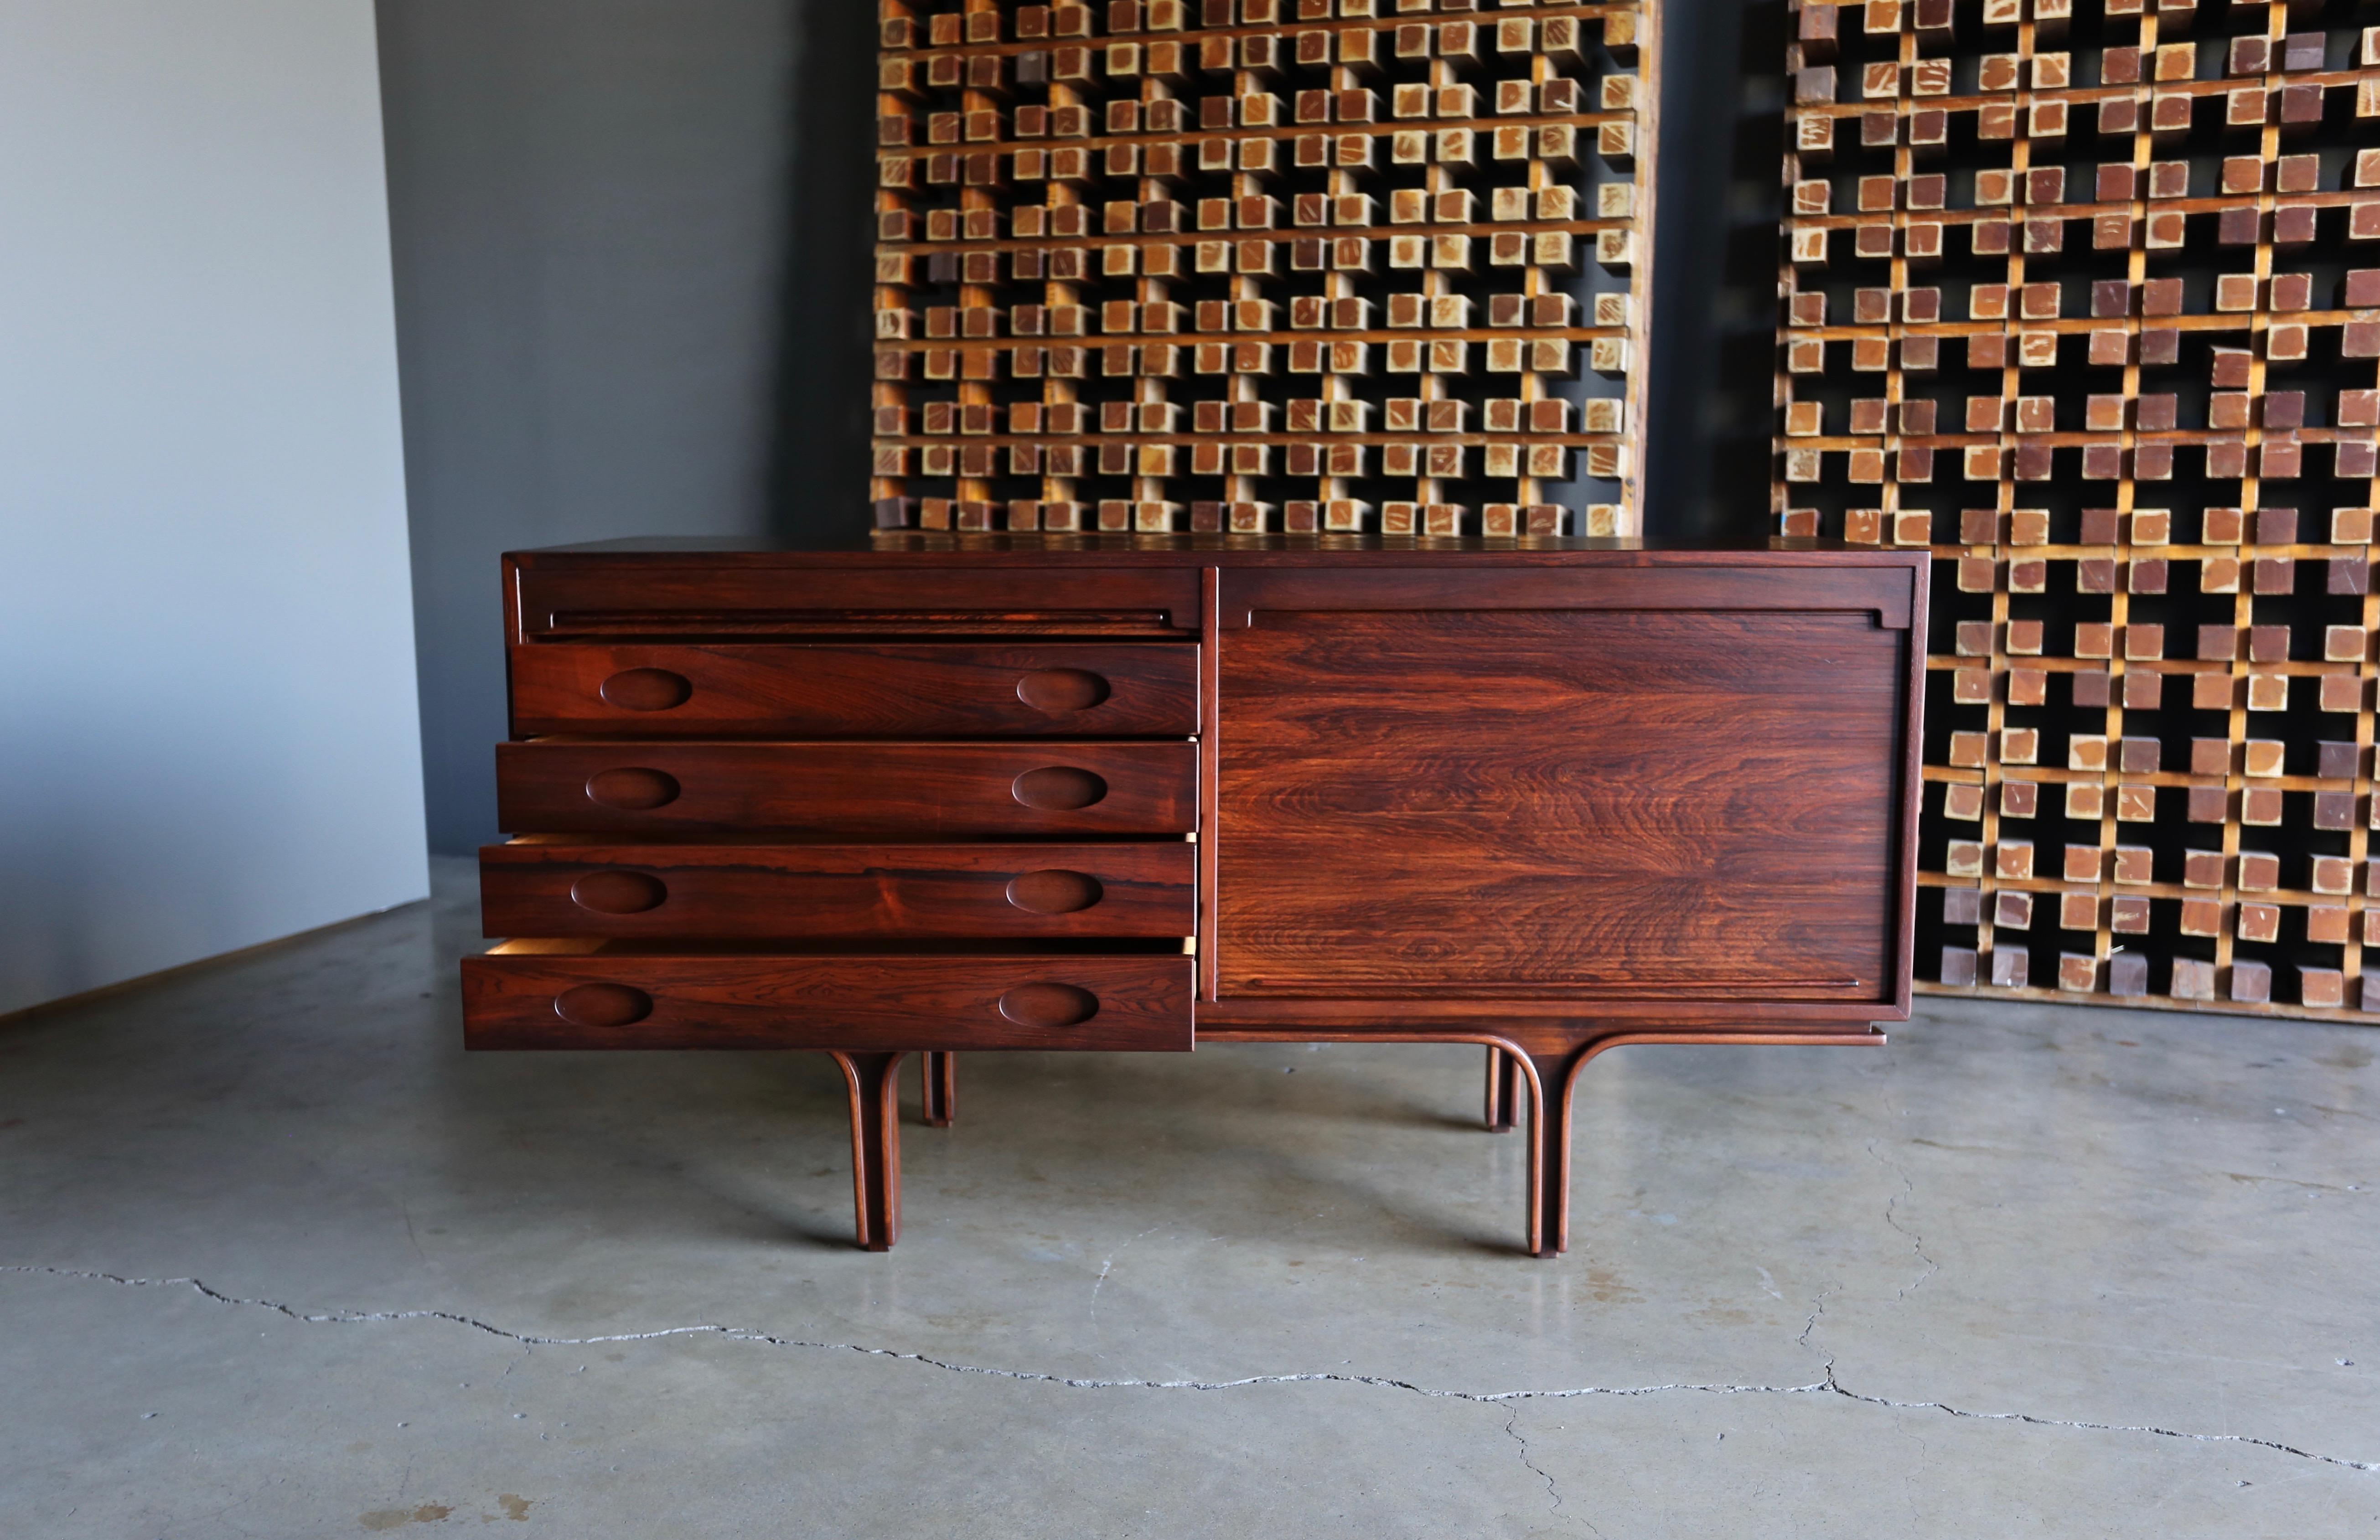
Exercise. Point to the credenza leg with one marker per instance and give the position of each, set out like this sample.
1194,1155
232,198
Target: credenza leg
1503,1091
873,1079
1549,1155
939,1077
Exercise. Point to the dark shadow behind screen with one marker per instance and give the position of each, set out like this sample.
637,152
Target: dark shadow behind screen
1710,432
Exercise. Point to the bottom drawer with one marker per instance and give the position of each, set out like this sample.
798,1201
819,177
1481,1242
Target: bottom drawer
606,995
1026,892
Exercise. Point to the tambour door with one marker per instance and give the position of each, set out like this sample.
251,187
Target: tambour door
1616,784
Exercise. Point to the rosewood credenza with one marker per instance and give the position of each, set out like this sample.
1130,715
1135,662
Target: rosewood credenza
940,793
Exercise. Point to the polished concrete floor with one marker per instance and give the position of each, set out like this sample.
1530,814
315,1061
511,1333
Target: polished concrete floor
280,1260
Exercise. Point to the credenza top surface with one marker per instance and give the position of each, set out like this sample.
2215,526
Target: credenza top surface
1206,551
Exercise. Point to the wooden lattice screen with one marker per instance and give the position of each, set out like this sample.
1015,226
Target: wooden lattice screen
1262,265
2085,295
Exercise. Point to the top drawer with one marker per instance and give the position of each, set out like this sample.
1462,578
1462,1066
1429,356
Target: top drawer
624,593
857,689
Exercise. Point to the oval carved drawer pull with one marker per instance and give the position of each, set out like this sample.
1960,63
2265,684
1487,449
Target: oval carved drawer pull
1049,1004
1055,891
1059,788
1061,690
647,689
618,892
632,791
603,1005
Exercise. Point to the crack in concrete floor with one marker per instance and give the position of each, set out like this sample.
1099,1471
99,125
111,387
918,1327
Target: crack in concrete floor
1827,1386
1916,1243
1553,1493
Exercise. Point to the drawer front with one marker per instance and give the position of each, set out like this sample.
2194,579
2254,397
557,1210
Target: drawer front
916,791
748,1000
560,593
752,892
859,689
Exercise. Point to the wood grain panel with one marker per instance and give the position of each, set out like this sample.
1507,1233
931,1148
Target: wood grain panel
1530,804
913,791
759,1001
788,890
883,690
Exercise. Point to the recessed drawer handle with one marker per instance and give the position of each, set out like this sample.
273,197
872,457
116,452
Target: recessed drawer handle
632,791
647,689
619,892
1061,690
1059,788
1055,891
603,1005
1049,1004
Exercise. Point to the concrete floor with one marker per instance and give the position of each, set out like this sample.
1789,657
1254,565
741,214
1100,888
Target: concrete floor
282,1261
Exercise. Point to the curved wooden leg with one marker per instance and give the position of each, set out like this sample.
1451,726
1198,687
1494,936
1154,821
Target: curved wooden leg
875,1144
1503,1110
1549,1153
939,1078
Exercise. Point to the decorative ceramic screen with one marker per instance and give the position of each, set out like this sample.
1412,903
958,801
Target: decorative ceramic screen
1262,265
2085,295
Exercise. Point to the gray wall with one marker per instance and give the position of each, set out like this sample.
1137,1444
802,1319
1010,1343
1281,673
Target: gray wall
209,735
631,258
594,205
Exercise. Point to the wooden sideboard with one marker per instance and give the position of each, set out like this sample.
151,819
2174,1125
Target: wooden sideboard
941,793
